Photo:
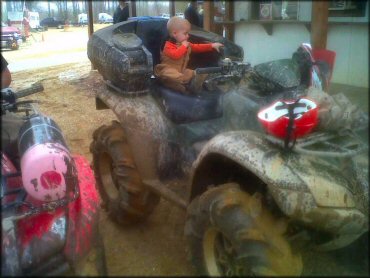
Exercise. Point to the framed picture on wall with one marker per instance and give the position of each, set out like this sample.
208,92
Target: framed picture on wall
266,11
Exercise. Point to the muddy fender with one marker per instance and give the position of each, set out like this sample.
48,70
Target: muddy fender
251,151
297,191
145,127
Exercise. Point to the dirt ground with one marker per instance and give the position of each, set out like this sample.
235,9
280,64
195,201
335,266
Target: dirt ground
156,247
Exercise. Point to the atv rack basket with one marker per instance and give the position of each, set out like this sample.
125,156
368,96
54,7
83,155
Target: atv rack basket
345,143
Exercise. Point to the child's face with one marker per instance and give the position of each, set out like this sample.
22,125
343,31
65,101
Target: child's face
181,34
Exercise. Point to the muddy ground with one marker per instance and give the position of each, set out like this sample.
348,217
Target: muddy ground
156,247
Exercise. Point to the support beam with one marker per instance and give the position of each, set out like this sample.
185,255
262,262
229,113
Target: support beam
133,8
319,24
172,8
90,19
208,15
229,6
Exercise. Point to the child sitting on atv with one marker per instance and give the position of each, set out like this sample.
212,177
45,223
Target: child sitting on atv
172,70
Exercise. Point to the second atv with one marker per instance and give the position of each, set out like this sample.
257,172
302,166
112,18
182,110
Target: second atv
249,199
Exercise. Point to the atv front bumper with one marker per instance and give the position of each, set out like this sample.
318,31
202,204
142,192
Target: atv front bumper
344,225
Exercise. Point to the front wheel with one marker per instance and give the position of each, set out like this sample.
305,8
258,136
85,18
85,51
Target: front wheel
15,47
230,233
124,196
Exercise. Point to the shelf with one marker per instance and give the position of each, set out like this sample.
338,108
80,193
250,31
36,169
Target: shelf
226,22
268,24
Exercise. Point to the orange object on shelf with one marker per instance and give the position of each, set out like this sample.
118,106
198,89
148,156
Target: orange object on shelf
325,55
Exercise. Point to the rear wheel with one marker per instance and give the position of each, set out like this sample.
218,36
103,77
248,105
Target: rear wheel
124,196
230,233
15,46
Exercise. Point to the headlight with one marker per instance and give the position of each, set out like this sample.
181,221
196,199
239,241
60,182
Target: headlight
15,35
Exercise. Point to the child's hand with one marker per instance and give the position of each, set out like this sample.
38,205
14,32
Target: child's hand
186,43
217,45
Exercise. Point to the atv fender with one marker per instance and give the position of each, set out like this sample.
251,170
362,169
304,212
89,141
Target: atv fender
250,150
294,191
145,127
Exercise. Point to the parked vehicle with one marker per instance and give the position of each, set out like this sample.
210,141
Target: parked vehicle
52,22
251,201
49,204
164,15
10,37
82,19
15,19
105,18
180,15
34,20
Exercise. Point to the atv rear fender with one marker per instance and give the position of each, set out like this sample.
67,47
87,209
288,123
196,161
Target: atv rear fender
322,202
145,127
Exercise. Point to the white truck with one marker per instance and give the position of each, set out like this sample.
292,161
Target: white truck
34,19
105,18
82,19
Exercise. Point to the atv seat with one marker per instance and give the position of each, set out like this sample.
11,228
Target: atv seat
181,108
152,33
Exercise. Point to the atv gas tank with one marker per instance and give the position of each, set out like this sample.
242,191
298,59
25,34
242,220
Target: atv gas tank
45,159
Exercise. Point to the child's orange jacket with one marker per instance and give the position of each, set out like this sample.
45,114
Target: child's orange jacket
176,56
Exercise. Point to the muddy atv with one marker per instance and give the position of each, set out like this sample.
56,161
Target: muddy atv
49,202
250,203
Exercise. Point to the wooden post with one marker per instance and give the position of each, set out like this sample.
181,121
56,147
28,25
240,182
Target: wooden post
208,15
230,18
133,8
319,24
172,8
90,23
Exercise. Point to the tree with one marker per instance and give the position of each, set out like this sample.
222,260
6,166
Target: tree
30,5
49,8
65,9
74,9
59,6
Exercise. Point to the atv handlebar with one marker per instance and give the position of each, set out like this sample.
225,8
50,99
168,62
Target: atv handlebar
208,70
9,98
227,67
227,71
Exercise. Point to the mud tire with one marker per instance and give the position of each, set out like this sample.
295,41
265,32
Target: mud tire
16,47
115,169
230,233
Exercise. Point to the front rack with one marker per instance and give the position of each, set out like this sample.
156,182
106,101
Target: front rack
340,144
11,209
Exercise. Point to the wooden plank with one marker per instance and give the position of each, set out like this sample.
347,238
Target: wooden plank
230,17
319,24
133,8
157,187
90,18
90,23
208,15
172,8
